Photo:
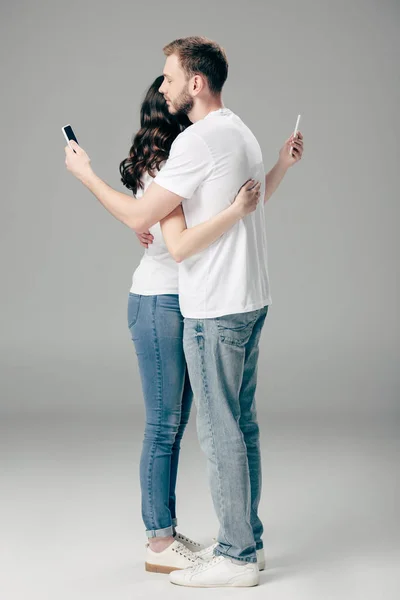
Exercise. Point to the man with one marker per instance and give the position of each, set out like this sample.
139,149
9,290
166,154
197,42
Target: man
223,291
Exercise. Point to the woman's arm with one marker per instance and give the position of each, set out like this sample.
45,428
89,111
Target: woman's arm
182,242
286,160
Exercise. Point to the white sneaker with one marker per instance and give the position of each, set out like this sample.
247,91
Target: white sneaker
220,571
208,553
193,546
176,556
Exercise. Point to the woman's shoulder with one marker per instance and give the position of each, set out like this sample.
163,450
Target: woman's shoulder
147,179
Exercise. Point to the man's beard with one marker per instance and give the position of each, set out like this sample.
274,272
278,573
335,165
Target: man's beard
184,103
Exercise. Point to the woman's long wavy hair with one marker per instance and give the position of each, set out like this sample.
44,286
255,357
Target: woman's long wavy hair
152,143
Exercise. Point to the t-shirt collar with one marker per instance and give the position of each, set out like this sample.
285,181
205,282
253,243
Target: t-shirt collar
219,111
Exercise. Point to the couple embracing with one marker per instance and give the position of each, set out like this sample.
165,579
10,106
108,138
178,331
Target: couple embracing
197,305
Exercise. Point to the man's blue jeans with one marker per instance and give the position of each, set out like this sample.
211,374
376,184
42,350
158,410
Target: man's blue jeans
156,327
221,355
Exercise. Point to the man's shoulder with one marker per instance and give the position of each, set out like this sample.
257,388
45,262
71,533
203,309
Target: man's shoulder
210,132
192,138
196,130
218,126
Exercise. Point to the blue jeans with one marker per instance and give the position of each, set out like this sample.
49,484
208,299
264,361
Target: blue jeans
222,355
156,327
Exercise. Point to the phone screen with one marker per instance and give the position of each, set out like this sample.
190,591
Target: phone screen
70,133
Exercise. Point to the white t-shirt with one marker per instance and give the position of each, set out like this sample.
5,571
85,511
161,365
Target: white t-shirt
207,165
157,272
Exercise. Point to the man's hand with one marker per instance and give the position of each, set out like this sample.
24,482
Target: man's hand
78,164
145,238
285,159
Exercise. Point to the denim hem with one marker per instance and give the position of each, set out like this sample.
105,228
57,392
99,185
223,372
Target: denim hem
251,559
174,522
166,532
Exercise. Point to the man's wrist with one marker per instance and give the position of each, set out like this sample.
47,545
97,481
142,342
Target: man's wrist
88,177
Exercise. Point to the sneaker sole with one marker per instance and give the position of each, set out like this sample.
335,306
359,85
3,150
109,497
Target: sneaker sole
250,584
159,568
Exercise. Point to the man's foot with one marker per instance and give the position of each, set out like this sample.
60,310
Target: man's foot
193,546
176,556
220,571
260,559
208,553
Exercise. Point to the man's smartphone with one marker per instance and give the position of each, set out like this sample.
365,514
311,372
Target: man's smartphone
295,132
69,135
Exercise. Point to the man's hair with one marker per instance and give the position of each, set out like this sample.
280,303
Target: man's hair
199,55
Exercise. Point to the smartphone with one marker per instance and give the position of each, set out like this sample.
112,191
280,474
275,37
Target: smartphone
295,131
69,135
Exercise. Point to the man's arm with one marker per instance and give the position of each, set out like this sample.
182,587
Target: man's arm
139,214
188,165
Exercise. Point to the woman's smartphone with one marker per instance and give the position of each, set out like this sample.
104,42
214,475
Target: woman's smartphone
295,132
69,135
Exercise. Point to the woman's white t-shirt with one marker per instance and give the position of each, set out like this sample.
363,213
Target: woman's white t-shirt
157,272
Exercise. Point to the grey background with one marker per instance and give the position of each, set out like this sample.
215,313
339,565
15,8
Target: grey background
328,396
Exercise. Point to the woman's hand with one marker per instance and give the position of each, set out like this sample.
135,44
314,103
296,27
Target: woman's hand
145,238
285,158
248,197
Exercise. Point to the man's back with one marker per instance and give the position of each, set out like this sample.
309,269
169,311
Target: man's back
209,162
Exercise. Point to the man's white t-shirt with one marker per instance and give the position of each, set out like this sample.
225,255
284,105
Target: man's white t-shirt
207,165
157,272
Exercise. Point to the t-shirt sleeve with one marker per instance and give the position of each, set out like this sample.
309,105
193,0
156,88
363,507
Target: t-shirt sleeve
188,165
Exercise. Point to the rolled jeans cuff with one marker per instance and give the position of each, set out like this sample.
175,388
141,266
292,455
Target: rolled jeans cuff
251,559
167,532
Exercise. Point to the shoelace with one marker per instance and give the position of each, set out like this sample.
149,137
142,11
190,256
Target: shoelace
205,565
185,539
206,550
181,549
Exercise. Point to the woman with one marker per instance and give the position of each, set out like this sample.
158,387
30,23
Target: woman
156,327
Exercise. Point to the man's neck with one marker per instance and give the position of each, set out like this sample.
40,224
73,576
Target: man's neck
202,109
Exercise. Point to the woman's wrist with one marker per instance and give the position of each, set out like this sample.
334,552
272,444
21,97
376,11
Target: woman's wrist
236,210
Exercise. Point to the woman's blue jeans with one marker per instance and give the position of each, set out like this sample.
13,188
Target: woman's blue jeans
156,327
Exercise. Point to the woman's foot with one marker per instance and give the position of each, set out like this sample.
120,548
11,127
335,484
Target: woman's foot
175,556
157,544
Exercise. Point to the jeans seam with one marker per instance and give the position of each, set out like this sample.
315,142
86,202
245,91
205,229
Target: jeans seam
159,401
255,433
206,395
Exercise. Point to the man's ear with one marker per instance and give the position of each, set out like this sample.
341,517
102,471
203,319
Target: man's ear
198,84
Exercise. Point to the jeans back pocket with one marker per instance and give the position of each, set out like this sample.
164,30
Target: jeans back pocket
133,308
236,329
